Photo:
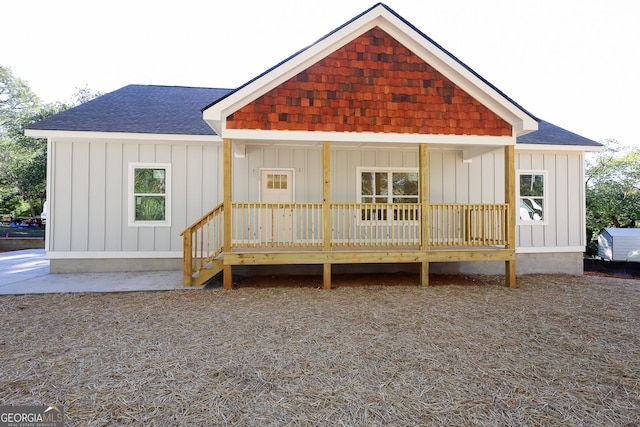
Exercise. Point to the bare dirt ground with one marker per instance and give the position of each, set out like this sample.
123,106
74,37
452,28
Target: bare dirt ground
560,350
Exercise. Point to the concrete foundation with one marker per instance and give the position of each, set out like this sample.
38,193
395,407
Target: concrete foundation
547,263
544,263
109,265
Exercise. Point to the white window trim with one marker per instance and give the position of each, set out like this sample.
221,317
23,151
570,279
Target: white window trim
131,199
361,169
545,204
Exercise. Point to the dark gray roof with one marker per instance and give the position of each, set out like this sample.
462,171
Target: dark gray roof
139,109
177,111
551,134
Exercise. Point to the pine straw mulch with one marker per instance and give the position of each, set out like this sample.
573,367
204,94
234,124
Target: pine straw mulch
559,350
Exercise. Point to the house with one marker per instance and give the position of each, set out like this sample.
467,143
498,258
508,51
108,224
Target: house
619,244
372,148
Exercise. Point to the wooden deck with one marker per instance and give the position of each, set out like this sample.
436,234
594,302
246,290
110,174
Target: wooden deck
327,233
290,234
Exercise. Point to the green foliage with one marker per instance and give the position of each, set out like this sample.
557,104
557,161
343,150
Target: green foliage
23,160
150,208
531,185
149,188
150,181
613,189
16,99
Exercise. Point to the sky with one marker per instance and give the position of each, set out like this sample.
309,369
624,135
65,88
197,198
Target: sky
571,62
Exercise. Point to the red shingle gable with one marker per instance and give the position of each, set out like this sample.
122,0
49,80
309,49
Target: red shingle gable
373,84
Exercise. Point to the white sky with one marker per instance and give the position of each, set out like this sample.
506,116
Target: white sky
571,62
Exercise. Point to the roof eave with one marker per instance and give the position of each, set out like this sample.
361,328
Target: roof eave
556,147
74,134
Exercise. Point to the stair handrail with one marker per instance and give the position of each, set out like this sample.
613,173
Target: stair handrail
196,258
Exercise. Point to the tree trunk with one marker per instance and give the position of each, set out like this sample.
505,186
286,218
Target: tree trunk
27,198
616,223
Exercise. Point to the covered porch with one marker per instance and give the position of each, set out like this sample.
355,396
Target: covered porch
328,232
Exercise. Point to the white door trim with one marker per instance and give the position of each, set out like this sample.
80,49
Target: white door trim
293,181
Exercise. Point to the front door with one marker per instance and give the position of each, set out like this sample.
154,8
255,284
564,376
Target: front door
276,188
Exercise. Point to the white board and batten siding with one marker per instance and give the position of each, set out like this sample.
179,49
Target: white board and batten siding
619,244
90,213
451,180
564,226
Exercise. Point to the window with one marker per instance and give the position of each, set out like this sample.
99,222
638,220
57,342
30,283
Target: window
276,181
531,197
149,201
388,186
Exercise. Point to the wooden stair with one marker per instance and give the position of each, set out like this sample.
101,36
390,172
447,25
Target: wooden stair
202,248
206,272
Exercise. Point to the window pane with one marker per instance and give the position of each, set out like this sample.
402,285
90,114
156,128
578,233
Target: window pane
531,209
150,208
405,200
367,184
531,185
405,184
381,184
283,182
150,181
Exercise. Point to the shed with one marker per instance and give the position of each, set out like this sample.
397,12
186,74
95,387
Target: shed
619,244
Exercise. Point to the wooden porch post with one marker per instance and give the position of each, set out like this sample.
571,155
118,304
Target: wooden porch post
423,168
510,200
326,210
187,260
227,155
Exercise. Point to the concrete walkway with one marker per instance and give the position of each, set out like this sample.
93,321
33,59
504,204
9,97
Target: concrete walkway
27,272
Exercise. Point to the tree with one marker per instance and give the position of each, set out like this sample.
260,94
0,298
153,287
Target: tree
16,98
23,160
612,189
20,162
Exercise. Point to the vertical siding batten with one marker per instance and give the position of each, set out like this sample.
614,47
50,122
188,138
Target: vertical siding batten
113,217
130,154
462,180
574,215
64,202
97,197
80,197
163,236
550,231
449,168
179,214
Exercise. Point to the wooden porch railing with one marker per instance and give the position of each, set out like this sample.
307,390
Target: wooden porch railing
375,224
203,241
272,225
282,225
468,225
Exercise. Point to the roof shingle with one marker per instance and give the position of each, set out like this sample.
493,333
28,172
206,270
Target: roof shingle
551,134
176,110
139,109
